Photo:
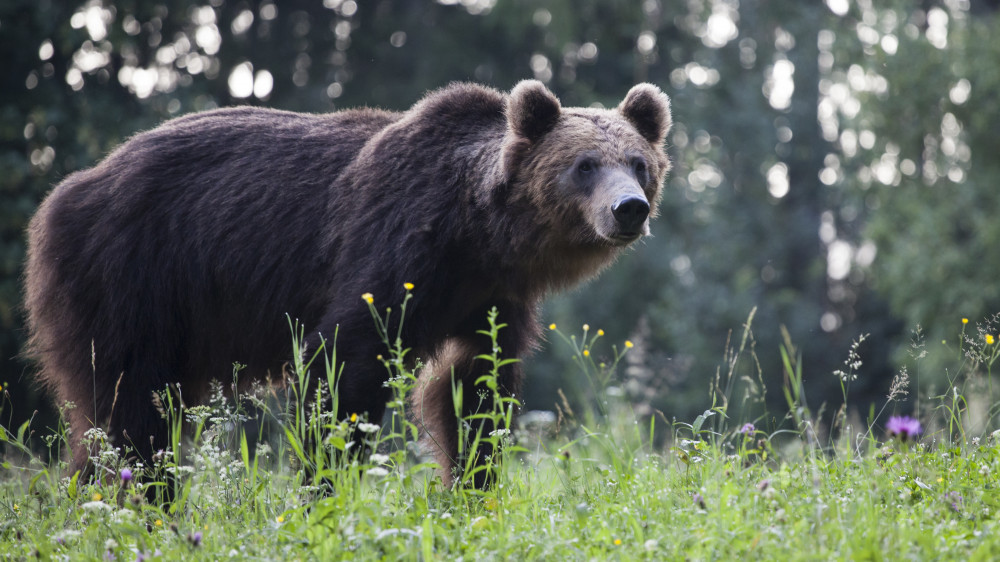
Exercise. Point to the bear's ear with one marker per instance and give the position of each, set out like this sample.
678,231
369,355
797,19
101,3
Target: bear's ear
532,110
648,110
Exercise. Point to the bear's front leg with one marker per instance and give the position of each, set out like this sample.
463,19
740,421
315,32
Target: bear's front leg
460,403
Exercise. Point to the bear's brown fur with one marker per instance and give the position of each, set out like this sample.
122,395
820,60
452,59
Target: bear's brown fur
183,251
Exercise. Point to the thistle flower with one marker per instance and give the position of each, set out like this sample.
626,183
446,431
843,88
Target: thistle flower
126,476
195,538
747,428
903,427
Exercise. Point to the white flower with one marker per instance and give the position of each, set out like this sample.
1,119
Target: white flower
96,506
377,471
500,432
377,458
369,427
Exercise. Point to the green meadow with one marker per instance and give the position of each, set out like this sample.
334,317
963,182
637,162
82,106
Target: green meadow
270,476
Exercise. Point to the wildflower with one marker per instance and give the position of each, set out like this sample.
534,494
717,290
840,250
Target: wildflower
618,542
600,332
354,418
955,500
903,427
158,522
747,428
126,475
195,538
368,427
586,327
965,320
377,471
368,298
280,519
97,497
552,326
586,353
698,500
408,286
96,506
378,458
989,339
629,344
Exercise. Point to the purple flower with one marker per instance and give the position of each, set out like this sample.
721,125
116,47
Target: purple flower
126,475
195,538
747,429
955,500
903,427
698,500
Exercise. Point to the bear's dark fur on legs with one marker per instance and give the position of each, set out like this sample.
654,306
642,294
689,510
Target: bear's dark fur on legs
183,251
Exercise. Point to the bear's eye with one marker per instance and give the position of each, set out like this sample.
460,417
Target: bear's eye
586,166
640,169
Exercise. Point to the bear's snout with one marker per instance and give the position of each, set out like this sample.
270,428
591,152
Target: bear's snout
630,211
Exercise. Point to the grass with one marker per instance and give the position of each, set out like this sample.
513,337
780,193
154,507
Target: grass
591,485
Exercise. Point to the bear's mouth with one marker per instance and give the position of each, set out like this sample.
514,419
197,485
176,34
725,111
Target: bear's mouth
624,238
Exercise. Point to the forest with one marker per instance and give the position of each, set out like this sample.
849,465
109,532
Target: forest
835,163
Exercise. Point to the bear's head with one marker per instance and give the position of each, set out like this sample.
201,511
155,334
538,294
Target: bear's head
593,174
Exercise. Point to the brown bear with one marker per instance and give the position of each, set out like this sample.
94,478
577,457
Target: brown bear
183,251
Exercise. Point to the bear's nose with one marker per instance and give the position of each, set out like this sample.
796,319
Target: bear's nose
630,212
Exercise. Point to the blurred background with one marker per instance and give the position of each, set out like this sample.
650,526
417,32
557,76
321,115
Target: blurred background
836,163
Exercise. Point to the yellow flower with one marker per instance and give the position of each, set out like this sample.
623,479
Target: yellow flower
354,418
989,339
586,353
158,522
965,320
552,326
280,519
368,298
629,344
408,286
97,497
618,542
600,332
